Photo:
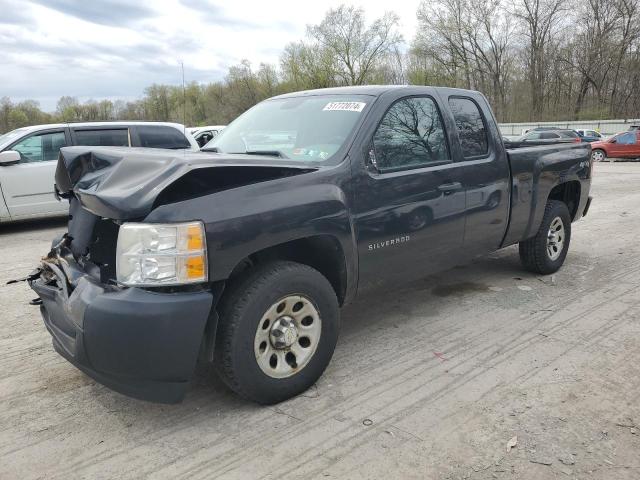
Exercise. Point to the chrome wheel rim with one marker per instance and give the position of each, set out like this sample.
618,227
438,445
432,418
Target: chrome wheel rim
555,238
287,336
597,156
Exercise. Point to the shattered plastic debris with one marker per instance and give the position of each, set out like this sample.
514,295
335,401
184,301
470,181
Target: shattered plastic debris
512,443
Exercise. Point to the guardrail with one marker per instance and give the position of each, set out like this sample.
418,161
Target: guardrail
605,127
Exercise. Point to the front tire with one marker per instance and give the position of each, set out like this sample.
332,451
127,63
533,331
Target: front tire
277,332
598,155
545,253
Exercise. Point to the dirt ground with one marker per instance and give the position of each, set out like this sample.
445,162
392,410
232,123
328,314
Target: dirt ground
430,382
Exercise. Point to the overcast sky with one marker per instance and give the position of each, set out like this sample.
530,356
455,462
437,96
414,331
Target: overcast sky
115,48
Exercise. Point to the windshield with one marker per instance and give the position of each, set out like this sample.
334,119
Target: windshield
12,135
306,129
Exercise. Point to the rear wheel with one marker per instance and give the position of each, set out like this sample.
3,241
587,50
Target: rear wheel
598,155
278,330
545,253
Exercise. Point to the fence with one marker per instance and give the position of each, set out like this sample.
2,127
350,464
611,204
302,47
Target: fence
605,127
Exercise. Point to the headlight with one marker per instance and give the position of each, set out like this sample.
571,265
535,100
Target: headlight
150,254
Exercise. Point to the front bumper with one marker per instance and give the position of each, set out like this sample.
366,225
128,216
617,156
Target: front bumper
138,342
586,207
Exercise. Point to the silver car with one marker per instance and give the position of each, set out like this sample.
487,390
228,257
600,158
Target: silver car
28,158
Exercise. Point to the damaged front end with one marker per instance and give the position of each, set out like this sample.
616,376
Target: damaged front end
142,340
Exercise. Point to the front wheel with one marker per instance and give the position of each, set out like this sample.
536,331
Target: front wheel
598,155
278,330
545,253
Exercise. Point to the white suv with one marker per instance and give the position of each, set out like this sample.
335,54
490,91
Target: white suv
28,158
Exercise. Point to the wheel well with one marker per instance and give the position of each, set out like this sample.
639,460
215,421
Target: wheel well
322,252
569,193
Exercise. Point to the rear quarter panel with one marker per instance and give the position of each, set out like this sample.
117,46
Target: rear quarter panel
535,172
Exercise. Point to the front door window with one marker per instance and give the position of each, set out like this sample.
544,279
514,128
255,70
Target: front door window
40,147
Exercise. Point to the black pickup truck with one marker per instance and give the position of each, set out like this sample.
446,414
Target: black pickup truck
242,254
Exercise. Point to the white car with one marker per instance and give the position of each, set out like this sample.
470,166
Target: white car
203,135
28,158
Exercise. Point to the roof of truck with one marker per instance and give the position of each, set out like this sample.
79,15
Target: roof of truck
372,90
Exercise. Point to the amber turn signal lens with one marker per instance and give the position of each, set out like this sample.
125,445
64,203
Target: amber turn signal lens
194,237
195,267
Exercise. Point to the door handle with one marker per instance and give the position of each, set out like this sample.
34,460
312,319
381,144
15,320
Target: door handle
450,187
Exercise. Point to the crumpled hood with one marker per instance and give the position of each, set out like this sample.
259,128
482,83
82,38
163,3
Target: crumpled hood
123,183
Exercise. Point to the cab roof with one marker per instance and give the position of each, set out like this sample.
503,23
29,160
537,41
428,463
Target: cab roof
371,90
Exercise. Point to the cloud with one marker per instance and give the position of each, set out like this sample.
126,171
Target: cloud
101,12
15,13
214,14
116,48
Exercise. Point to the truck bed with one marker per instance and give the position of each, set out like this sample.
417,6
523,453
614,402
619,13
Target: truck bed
535,170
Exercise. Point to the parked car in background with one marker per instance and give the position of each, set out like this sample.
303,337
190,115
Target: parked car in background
204,135
539,129
622,145
28,158
589,135
544,137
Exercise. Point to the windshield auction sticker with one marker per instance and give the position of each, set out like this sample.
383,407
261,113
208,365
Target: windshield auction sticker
345,106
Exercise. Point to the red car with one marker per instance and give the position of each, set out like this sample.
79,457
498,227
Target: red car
622,145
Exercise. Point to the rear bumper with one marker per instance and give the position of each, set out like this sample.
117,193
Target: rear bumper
140,343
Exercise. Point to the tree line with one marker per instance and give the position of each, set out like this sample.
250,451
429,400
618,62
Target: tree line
535,60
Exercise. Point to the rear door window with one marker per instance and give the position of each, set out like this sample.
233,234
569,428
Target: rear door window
41,147
162,136
103,138
549,136
569,134
471,127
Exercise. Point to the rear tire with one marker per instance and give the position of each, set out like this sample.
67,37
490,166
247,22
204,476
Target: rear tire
598,155
277,332
545,252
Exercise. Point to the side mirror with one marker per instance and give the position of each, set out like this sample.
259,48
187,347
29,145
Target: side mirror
9,157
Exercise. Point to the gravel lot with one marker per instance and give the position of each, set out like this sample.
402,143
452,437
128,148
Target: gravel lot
432,381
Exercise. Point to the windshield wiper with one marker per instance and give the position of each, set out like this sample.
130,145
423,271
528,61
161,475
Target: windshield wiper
269,153
210,149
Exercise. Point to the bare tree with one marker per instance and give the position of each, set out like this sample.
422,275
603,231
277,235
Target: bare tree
356,46
540,20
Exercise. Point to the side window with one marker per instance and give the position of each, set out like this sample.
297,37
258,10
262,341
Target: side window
569,134
205,137
628,138
161,136
471,128
103,138
532,136
410,135
549,136
41,147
